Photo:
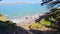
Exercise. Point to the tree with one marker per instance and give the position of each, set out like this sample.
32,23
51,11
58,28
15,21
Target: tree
54,18
50,3
54,15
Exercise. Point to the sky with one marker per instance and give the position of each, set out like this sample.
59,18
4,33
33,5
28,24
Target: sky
33,1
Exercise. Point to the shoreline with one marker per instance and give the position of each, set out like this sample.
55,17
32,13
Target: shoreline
28,17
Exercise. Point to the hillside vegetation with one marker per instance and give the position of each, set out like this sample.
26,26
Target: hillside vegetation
51,20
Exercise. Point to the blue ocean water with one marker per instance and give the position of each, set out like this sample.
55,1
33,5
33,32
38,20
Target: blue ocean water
22,9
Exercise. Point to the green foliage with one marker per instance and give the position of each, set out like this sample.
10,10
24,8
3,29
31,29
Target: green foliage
54,17
3,26
44,22
7,25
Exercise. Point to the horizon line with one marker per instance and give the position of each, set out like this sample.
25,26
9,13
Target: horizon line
19,2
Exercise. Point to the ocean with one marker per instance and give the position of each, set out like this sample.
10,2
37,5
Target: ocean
22,9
